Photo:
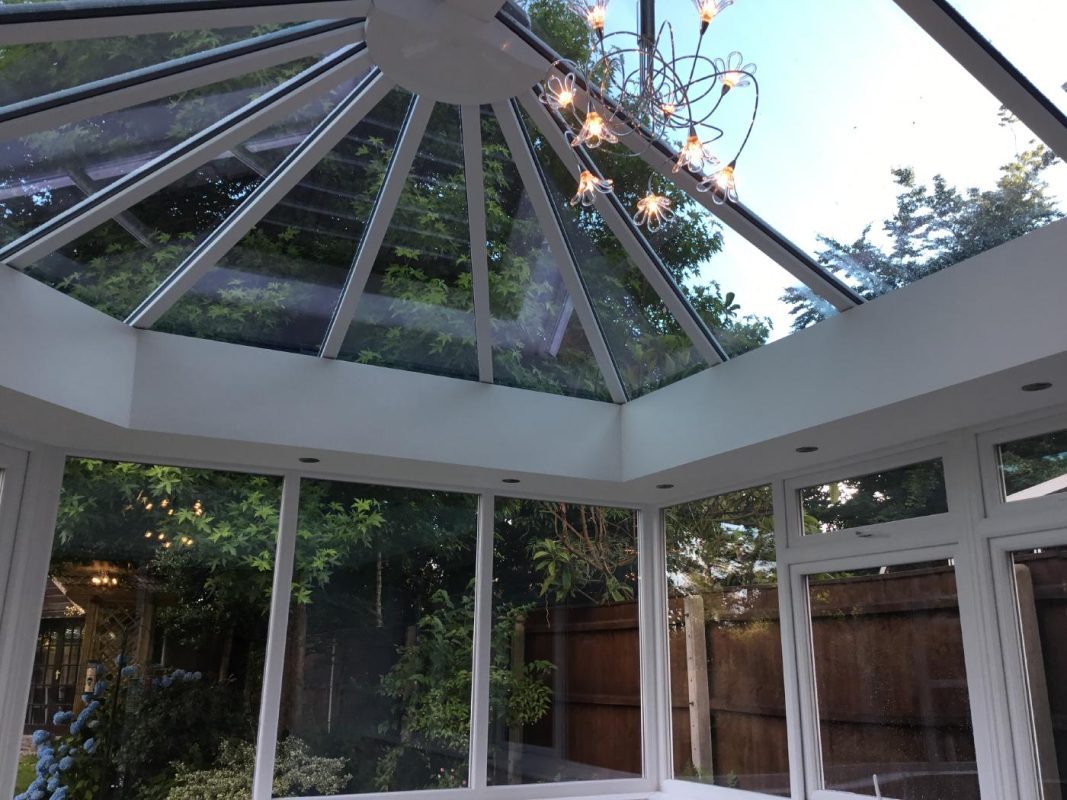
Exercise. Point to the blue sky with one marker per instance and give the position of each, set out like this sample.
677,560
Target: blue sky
849,90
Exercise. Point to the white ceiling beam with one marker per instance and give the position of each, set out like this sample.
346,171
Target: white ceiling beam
552,227
661,157
400,162
337,124
973,51
474,177
186,156
630,237
171,77
54,22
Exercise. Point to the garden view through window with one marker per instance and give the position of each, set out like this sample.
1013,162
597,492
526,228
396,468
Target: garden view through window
914,490
727,679
1033,467
893,707
149,661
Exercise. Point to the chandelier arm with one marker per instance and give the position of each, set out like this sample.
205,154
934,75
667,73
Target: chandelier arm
643,255
176,75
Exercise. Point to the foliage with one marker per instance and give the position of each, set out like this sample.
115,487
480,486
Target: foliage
1033,461
296,773
721,541
935,227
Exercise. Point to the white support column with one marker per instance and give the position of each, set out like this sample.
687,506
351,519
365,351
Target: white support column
557,243
26,584
483,635
793,650
656,721
337,124
637,248
271,107
12,478
474,175
178,75
407,146
274,658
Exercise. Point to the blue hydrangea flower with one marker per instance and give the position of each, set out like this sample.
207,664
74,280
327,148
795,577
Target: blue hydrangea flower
99,688
87,696
178,674
66,763
90,745
93,723
40,737
197,676
60,793
189,677
77,725
46,752
37,794
53,783
128,672
166,682
120,660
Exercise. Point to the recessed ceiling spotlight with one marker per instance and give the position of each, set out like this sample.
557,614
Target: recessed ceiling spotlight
308,460
664,485
808,448
1040,386
509,480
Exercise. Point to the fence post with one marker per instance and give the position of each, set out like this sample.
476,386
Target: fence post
696,659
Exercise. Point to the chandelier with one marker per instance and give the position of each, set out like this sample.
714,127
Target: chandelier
633,81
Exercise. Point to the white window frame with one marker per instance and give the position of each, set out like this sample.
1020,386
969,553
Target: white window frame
1037,510
912,532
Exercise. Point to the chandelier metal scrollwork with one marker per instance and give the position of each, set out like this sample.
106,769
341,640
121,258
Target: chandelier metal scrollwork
636,81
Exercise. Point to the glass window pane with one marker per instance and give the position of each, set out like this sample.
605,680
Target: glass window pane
280,285
417,311
44,173
650,348
916,490
377,683
31,70
538,341
1029,34
149,657
725,645
1033,467
565,682
1041,592
115,266
894,715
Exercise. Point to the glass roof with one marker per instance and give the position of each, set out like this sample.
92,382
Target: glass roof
267,185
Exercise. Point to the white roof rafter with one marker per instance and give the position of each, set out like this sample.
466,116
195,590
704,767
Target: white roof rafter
269,193
474,177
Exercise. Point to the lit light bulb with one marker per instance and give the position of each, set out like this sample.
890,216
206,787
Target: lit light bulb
653,211
114,581
594,132
721,184
588,186
166,545
709,9
594,12
147,506
162,536
695,155
733,71
96,580
148,534
559,93
668,109
165,503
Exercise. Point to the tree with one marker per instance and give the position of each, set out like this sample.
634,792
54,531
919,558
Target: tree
935,227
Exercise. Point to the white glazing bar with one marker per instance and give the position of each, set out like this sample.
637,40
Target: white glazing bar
25,590
183,158
179,75
475,178
483,635
655,665
631,240
786,617
337,124
274,658
557,243
374,234
949,29
37,22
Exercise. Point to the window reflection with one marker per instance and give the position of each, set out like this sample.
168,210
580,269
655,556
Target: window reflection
1033,467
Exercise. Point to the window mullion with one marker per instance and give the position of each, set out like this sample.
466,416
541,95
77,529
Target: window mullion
483,630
